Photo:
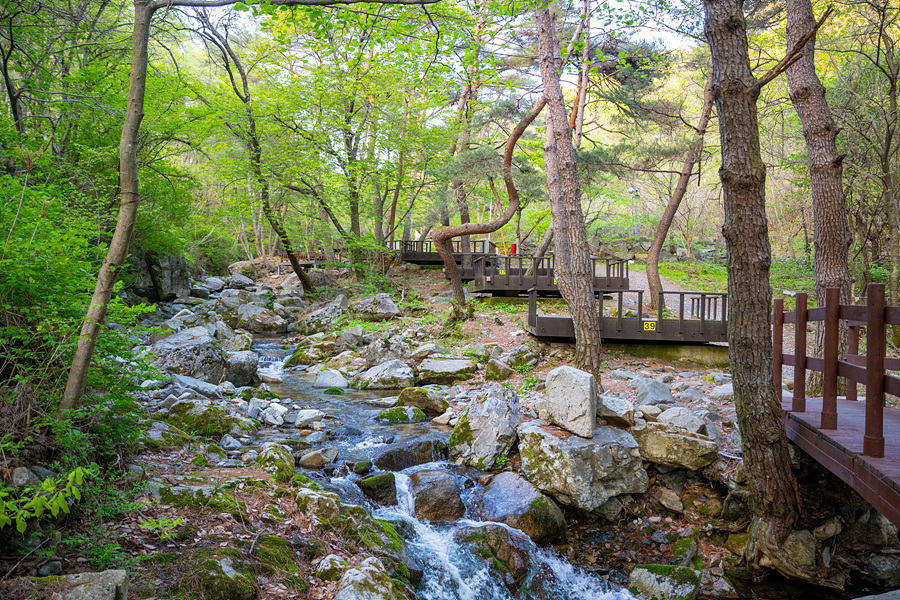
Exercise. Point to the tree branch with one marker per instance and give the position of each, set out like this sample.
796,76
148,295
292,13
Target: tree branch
794,54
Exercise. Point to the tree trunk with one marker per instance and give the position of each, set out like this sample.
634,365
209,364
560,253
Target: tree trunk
129,197
831,233
743,174
573,266
442,235
687,168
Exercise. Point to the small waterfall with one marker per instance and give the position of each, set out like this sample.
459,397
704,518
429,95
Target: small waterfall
271,361
454,572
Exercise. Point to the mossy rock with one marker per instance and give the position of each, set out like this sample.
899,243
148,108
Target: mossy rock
402,414
202,496
172,438
334,391
247,395
331,568
216,574
277,460
736,543
203,420
305,356
462,432
301,480
275,555
381,488
362,467
664,582
683,552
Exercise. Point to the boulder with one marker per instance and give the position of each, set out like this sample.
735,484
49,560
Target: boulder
572,400
437,497
379,307
382,350
487,429
497,371
368,581
329,378
506,551
664,582
431,399
615,410
580,472
192,352
277,460
667,445
424,351
239,281
332,567
402,414
214,284
208,390
519,357
307,416
447,371
24,477
240,369
722,393
682,418
105,585
318,458
380,489
321,319
168,275
258,319
412,454
651,391
510,499
391,375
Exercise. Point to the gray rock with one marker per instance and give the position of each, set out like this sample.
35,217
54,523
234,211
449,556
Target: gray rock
273,414
615,410
239,282
307,416
432,399
721,378
510,499
665,445
800,546
580,472
255,407
331,568
487,429
321,319
318,458
381,351
50,568
369,581
722,393
572,400
315,437
622,375
192,352
240,369
105,585
258,319
497,371
329,378
664,582
437,498
379,307
445,371
651,391
24,477
518,357
393,374
208,390
229,443
424,351
691,395
682,418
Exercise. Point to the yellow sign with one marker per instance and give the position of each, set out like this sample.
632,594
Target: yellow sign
649,325
501,271
554,281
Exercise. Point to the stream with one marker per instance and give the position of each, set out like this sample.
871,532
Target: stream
452,571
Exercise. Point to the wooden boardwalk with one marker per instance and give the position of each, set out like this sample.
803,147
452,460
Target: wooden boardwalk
517,274
841,450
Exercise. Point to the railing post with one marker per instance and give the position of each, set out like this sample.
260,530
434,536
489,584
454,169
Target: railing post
853,350
799,402
532,308
830,374
778,344
873,442
661,306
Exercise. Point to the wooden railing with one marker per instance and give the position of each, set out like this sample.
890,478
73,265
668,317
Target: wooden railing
869,369
520,273
456,247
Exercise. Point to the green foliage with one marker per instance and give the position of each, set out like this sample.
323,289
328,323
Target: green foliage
879,274
101,548
530,382
164,527
52,497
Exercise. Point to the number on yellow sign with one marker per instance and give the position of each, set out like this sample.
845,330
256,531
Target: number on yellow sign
649,325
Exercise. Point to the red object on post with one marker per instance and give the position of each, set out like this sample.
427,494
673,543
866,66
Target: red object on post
512,248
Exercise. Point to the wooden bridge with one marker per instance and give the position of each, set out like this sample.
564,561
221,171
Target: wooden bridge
701,318
424,252
516,275
844,434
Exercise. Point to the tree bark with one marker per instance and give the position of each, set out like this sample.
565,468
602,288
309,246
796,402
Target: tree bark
443,235
573,266
687,168
831,229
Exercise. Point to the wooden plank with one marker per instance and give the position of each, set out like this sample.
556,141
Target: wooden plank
816,314
854,313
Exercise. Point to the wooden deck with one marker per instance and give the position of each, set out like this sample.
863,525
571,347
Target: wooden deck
424,253
841,450
516,275
702,319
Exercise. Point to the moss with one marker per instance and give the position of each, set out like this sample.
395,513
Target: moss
362,467
334,391
276,555
399,415
301,480
248,395
200,460
462,432
217,574
162,558
678,575
296,583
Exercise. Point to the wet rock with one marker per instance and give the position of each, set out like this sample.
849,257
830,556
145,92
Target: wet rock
651,391
208,390
394,374
666,445
884,569
192,352
497,371
410,455
318,458
437,497
722,393
240,369
510,499
380,489
664,582
581,472
572,400
369,581
379,307
329,378
615,410
445,371
431,399
509,548
331,568
681,417
273,414
487,429
402,414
